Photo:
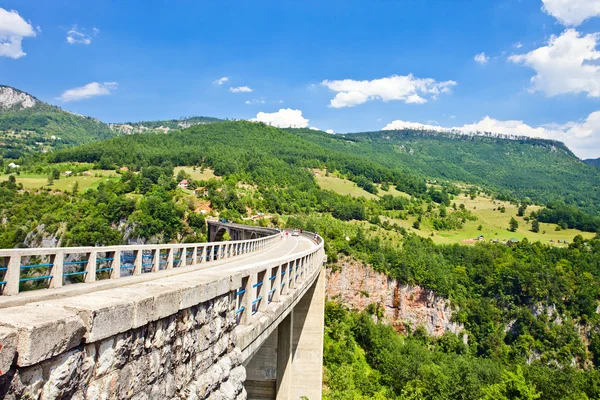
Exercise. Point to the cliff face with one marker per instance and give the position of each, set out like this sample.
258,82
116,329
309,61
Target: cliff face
357,285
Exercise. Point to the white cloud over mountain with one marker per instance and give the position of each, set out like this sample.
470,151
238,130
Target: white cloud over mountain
582,137
221,81
90,90
569,63
13,28
404,88
572,12
284,118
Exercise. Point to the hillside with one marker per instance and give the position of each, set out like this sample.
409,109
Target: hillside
29,125
540,169
593,161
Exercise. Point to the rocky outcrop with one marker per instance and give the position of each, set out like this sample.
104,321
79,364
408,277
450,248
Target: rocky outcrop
405,307
10,98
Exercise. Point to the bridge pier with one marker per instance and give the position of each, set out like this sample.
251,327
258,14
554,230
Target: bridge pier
289,363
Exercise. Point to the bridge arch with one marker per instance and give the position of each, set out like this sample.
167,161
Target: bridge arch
219,235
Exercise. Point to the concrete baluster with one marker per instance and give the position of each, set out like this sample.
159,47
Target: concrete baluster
12,276
277,283
262,291
156,259
57,270
90,267
247,300
170,252
115,264
137,264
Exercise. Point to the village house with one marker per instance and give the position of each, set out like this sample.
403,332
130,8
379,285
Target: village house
183,184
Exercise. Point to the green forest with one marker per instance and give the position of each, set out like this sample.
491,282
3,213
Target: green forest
529,311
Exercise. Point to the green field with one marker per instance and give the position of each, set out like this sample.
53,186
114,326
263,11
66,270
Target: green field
65,183
198,174
341,186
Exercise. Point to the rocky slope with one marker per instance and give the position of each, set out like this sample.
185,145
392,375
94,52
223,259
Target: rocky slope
405,307
10,97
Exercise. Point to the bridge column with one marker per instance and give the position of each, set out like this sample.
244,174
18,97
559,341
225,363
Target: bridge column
285,332
308,326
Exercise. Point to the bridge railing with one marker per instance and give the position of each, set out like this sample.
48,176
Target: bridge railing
49,268
267,282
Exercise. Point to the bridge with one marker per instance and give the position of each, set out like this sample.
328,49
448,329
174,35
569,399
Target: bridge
221,320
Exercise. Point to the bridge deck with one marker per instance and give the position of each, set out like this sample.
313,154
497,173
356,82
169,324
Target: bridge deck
286,247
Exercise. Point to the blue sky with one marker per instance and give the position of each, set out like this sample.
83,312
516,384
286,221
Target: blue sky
345,65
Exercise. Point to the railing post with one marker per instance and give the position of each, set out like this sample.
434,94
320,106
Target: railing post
290,275
277,284
137,263
170,258
194,255
12,276
247,301
57,270
90,268
156,259
201,254
116,265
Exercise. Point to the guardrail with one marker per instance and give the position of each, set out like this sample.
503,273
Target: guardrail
269,281
47,268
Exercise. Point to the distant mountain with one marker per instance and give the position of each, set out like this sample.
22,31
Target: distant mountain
543,170
165,126
593,161
30,125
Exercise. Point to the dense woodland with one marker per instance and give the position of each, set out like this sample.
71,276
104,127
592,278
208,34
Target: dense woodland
529,310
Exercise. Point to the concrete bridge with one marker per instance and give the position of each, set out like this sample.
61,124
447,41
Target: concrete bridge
220,320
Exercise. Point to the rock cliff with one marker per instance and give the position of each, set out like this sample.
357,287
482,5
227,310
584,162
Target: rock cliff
10,97
405,307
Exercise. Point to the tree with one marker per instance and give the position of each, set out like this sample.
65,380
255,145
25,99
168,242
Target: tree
416,224
55,173
513,224
535,226
512,387
75,187
521,210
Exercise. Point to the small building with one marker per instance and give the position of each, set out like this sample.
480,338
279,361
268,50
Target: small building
183,184
68,173
13,165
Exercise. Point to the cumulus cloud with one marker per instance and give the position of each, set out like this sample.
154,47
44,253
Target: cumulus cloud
284,118
221,81
405,88
582,137
77,35
567,64
572,12
481,58
90,90
240,89
330,131
13,28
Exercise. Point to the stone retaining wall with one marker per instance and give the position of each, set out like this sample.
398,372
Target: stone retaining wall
190,355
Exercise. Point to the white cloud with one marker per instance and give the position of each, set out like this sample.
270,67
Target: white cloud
284,118
76,35
13,29
221,81
481,58
582,137
90,90
518,45
568,64
404,88
330,131
572,12
255,101
241,89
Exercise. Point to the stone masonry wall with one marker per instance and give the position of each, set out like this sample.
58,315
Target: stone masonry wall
188,355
